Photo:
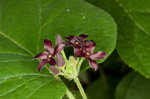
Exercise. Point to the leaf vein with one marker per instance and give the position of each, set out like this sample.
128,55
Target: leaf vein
37,89
16,43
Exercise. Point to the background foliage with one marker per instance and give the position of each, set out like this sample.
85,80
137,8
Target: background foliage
119,27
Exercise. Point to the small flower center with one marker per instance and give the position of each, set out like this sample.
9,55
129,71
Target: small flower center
87,53
49,56
76,42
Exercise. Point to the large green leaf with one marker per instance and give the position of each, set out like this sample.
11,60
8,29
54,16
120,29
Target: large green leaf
103,88
77,17
132,17
24,24
134,41
99,90
27,23
133,86
20,79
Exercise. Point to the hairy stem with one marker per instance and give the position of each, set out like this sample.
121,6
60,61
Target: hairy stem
76,80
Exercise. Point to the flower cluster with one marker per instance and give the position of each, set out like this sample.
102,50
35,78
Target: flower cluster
85,48
82,49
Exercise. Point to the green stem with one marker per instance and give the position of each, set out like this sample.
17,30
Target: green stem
79,64
64,55
76,80
68,92
66,60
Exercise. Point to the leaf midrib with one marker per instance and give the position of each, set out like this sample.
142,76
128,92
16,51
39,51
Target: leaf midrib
16,43
37,89
130,16
24,74
44,24
40,29
15,88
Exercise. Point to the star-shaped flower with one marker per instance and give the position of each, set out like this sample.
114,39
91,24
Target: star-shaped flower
88,53
85,48
77,43
52,55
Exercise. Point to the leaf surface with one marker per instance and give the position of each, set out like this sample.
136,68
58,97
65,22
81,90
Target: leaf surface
24,24
132,18
133,86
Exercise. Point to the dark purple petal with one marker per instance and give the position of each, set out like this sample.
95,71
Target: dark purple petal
58,39
41,64
81,37
67,43
42,55
73,41
48,46
76,41
54,70
78,52
52,61
70,37
98,55
89,46
59,60
59,47
93,64
88,43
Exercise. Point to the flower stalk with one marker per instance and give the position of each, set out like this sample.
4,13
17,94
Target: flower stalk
76,80
80,63
68,92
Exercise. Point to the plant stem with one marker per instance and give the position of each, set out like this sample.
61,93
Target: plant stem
80,63
68,92
76,80
64,55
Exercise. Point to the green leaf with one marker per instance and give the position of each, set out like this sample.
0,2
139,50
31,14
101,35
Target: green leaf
27,23
98,90
133,86
138,35
103,88
77,17
133,19
24,24
19,78
75,93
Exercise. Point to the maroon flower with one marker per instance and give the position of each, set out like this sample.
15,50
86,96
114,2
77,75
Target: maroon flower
54,70
77,43
85,48
52,55
88,52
